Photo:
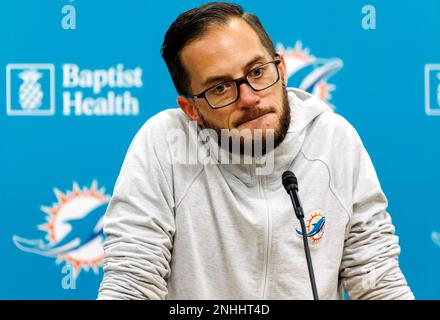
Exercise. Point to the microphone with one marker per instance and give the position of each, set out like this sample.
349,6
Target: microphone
290,183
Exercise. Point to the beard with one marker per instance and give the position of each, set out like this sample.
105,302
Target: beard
278,134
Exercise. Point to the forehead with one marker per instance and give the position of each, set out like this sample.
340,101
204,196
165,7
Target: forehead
222,51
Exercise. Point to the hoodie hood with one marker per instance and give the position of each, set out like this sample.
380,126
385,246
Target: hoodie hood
304,108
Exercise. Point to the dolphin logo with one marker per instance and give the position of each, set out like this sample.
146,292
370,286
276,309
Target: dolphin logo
308,76
82,232
317,228
308,73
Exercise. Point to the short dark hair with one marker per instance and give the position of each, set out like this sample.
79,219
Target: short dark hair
192,25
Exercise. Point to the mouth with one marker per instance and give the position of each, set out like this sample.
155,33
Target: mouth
255,119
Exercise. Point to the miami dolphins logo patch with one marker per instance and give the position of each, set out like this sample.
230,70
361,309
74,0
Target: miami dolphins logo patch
315,226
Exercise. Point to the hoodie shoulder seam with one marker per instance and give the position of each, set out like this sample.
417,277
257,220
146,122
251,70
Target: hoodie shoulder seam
185,192
332,190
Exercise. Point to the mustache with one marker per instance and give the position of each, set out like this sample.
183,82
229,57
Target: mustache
251,115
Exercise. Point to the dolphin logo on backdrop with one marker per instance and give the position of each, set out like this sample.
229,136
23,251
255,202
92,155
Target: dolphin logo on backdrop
74,229
311,74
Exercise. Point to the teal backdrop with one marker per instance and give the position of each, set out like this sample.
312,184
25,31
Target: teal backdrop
79,78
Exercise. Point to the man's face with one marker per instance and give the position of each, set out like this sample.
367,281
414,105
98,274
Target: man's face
228,52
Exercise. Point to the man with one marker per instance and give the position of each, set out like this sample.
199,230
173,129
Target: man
216,229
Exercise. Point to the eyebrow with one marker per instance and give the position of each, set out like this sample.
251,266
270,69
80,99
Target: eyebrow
220,78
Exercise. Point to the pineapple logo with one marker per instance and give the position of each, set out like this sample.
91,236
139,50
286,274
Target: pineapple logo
30,92
30,89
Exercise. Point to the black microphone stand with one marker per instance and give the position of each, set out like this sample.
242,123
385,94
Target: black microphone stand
291,185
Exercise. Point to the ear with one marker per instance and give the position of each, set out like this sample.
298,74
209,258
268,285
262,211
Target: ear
283,69
188,107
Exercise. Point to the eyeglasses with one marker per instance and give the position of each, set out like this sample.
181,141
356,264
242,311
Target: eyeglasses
226,93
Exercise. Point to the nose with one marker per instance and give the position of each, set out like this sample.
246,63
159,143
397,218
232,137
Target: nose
248,97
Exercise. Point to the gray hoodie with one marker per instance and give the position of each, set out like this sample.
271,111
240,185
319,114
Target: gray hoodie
213,230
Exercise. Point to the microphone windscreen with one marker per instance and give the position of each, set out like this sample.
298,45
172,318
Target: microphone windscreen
289,180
